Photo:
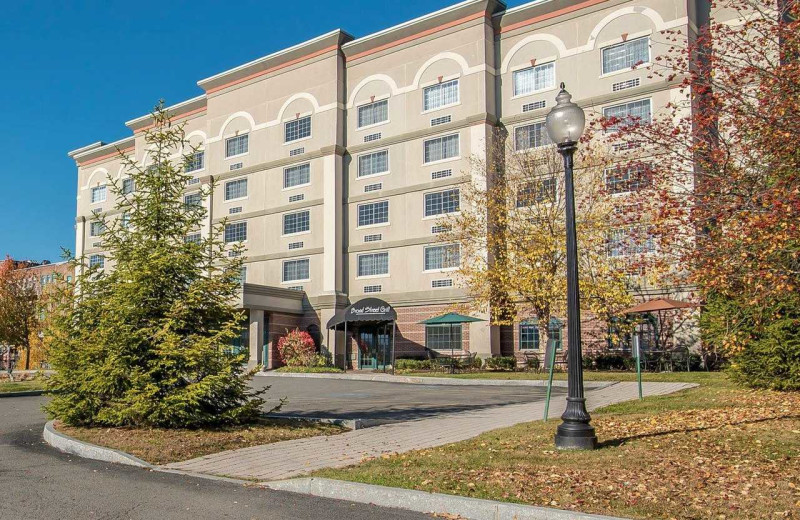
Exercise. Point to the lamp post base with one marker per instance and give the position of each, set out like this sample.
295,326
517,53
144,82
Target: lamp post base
575,432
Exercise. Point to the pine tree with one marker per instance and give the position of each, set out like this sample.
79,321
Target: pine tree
145,341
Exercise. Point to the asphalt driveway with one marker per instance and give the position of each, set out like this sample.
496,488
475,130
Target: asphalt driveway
349,399
41,483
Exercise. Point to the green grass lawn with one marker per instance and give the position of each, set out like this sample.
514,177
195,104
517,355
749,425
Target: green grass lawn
21,386
716,451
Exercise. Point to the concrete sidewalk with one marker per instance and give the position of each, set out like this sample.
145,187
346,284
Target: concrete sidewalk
287,459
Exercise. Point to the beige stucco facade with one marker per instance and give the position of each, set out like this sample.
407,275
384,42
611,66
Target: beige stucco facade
478,44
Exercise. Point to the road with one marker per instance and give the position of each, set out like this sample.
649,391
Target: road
40,483
348,399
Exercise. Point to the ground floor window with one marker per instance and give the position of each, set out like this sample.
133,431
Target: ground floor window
529,334
443,337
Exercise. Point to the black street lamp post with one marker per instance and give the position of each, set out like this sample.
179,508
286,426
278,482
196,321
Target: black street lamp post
565,124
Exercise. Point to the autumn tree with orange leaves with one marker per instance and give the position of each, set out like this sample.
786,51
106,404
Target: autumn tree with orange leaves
725,163
19,301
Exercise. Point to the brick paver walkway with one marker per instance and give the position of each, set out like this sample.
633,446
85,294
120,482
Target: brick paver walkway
297,457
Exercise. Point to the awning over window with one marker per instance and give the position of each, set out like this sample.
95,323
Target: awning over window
368,310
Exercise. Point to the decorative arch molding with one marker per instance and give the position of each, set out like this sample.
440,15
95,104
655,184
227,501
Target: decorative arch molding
462,62
295,97
101,171
652,14
541,37
235,115
203,139
374,77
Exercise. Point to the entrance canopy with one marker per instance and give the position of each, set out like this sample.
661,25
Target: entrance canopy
661,304
368,310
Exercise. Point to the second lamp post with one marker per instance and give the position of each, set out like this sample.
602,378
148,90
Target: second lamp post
565,124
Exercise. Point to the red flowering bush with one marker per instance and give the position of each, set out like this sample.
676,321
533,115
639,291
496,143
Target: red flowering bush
297,348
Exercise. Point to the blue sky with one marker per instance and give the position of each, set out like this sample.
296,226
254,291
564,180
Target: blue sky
74,72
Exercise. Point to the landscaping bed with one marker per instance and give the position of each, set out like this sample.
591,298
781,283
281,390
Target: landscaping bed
716,451
162,446
309,370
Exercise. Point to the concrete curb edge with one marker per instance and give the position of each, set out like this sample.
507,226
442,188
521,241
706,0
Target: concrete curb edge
424,502
73,446
442,381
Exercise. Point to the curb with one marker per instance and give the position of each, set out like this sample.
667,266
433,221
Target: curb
73,446
23,393
424,502
436,381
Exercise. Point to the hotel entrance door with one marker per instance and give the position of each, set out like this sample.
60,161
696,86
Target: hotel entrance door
374,348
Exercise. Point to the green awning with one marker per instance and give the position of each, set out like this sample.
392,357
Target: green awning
450,317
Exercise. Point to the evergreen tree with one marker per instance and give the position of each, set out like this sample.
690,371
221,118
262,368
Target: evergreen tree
146,340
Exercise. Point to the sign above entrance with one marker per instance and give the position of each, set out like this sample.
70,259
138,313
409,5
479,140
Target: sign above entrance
366,310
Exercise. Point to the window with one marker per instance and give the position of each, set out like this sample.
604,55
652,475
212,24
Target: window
128,186
629,240
373,264
295,270
98,194
531,136
97,261
96,229
192,238
537,192
373,163
626,54
193,200
296,175
243,277
534,79
627,179
442,257
440,95
125,220
296,222
236,189
528,336
443,337
373,113
236,145
373,213
441,148
442,202
236,232
628,114
196,161
297,129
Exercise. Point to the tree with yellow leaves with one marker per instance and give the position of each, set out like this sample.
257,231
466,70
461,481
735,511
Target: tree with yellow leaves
512,236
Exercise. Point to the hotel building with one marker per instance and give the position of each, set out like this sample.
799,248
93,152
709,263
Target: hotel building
334,158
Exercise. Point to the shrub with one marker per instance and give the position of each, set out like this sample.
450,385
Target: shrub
534,363
611,361
412,364
501,363
297,349
310,370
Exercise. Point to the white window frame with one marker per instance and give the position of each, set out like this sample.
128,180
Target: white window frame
203,152
234,223
440,215
105,194
238,136
372,102
530,123
379,224
294,187
443,269
283,223
630,39
440,84
290,282
544,63
92,224
297,119
628,102
371,175
225,190
448,159
370,276
101,263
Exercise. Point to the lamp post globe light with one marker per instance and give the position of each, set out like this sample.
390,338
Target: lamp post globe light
565,124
